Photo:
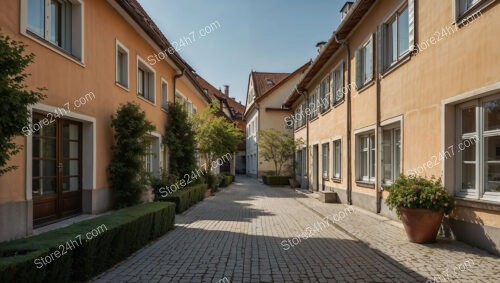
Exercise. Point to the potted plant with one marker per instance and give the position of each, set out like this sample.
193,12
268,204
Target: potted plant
420,203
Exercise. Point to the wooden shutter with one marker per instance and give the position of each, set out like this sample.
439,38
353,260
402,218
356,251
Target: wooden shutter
380,49
371,45
359,63
411,24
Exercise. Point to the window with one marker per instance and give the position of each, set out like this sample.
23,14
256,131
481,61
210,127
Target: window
324,95
391,154
478,148
338,83
145,81
299,162
122,65
325,150
148,158
466,5
337,159
313,103
366,158
299,117
58,22
364,63
397,34
164,94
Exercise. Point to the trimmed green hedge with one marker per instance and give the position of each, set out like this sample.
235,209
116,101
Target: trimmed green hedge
276,180
127,230
225,180
185,198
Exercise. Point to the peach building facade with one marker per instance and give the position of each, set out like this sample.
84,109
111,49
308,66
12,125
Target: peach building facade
91,56
412,87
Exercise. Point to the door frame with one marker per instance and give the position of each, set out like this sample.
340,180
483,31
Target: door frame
315,187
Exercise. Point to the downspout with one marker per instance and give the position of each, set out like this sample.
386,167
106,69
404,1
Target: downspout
177,76
378,179
306,99
257,137
349,120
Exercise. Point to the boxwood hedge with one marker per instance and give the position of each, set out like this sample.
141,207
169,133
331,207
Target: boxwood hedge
276,180
187,197
126,231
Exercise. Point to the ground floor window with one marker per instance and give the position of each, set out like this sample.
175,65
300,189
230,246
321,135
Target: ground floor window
478,148
391,154
325,150
337,159
366,157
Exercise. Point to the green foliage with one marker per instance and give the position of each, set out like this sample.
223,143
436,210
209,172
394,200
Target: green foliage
180,140
186,197
212,181
419,192
275,180
277,147
165,181
215,136
14,98
127,230
127,174
225,179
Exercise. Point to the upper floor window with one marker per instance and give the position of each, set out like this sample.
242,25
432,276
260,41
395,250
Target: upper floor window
338,83
364,63
58,22
478,148
145,81
324,95
466,5
313,104
397,34
164,94
122,65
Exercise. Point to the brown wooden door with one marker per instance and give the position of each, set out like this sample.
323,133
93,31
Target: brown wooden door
57,173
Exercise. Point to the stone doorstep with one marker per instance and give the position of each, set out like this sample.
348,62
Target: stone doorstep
328,197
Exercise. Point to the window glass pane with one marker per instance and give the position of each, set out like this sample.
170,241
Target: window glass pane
44,148
393,41
372,156
492,163
55,22
469,150
387,155
468,176
36,17
469,120
164,93
71,167
45,186
492,115
140,81
368,61
403,31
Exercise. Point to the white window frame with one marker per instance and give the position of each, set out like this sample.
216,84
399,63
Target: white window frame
76,54
325,88
388,45
395,163
313,103
362,78
478,192
120,47
164,99
141,64
370,160
337,172
325,160
338,71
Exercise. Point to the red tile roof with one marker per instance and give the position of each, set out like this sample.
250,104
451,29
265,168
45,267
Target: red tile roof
237,109
264,82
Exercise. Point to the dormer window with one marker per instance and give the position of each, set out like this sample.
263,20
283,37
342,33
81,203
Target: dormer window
269,82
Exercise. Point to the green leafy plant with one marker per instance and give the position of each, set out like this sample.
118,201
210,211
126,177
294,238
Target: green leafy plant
166,180
14,98
215,135
419,192
127,174
180,141
278,147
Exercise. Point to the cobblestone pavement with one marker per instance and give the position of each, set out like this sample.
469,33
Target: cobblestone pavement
250,233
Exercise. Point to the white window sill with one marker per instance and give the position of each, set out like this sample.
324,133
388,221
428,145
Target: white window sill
146,100
122,87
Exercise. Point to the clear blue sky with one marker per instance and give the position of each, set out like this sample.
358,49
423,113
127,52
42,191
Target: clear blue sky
259,35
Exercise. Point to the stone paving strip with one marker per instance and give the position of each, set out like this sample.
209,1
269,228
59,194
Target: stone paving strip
238,235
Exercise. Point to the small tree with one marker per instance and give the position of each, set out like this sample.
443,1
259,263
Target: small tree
215,135
126,170
277,147
14,98
180,140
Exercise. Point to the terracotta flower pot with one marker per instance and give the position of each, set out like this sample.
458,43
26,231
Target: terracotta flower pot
421,225
210,193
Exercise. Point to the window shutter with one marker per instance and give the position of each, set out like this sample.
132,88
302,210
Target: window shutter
411,24
380,50
342,94
359,61
371,54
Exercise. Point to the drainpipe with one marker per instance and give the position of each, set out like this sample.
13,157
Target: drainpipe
257,138
349,119
306,99
177,76
378,177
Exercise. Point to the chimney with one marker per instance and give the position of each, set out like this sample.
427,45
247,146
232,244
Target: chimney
226,90
320,45
345,9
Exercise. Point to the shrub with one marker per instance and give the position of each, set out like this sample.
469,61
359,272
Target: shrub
165,181
14,98
419,192
185,198
127,174
212,181
127,230
275,180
